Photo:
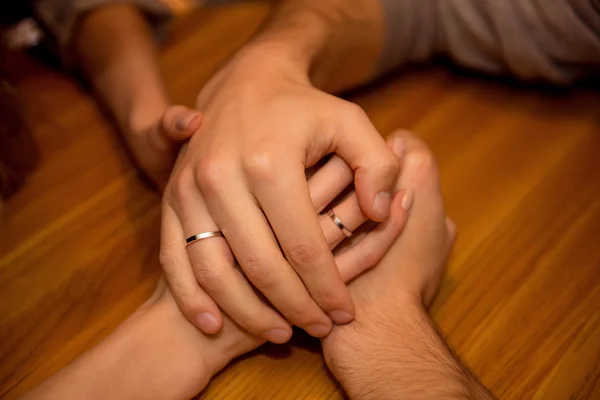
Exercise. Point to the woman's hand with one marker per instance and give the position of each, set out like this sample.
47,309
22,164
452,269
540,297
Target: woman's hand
154,140
391,299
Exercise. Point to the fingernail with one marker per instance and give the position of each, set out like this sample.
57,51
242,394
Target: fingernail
341,317
277,335
407,200
400,147
382,203
183,122
318,330
208,323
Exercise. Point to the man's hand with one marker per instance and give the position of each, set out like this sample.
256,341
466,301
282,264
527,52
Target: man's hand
244,173
392,350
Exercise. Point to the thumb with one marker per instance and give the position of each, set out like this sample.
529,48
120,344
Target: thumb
179,123
376,166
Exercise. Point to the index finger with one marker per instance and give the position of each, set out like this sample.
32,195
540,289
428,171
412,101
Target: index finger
375,165
286,201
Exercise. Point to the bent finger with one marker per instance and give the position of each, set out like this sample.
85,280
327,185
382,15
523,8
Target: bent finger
214,268
286,202
375,165
375,244
329,181
194,303
251,239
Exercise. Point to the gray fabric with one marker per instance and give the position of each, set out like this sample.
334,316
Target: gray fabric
551,40
58,17
411,32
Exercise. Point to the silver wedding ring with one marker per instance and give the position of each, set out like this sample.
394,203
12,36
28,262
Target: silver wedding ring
347,232
203,235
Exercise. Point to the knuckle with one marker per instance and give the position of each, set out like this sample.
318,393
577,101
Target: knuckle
331,299
188,306
369,258
391,164
261,163
421,162
168,118
354,112
256,270
304,253
253,321
299,315
212,172
167,257
182,184
210,277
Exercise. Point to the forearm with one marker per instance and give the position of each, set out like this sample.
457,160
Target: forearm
115,50
155,354
335,42
405,359
342,44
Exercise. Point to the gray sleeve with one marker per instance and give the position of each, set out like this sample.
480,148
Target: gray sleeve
556,41
59,17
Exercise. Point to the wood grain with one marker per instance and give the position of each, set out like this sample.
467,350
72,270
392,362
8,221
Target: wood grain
520,168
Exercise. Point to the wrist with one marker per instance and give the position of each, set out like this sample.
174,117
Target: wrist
296,37
208,353
336,44
376,336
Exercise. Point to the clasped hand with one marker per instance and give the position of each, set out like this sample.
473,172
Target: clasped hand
243,173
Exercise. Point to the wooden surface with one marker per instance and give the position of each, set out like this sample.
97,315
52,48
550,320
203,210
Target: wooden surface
521,175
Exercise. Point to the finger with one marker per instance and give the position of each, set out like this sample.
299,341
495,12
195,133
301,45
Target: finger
374,245
178,123
325,186
285,200
251,239
420,173
214,268
376,167
349,213
195,304
329,181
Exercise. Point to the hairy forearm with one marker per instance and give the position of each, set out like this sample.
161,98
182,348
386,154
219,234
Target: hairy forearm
336,42
116,53
403,358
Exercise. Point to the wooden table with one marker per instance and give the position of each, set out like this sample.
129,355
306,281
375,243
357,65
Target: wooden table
521,175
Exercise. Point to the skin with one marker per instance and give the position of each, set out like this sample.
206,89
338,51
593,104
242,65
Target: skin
268,119
119,62
392,332
115,50
164,356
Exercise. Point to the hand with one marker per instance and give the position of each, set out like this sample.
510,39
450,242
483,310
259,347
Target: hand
155,140
406,278
165,356
244,174
367,249
365,252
